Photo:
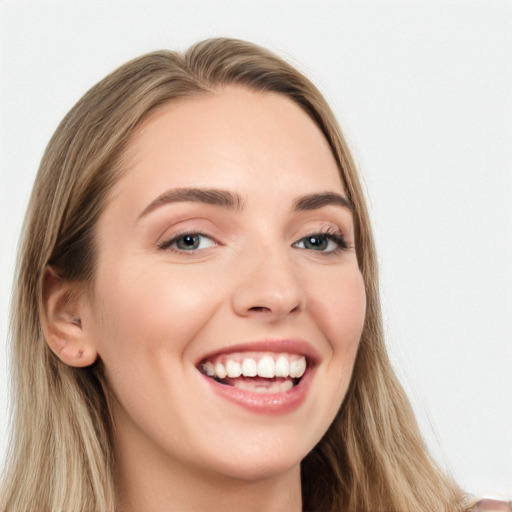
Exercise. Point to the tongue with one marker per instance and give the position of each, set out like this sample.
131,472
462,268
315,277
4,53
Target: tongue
260,384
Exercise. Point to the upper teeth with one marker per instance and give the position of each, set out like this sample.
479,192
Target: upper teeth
267,366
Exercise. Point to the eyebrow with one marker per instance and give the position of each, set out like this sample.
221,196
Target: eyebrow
213,196
316,201
233,201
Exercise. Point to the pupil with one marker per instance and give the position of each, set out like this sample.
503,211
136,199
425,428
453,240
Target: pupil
189,242
315,242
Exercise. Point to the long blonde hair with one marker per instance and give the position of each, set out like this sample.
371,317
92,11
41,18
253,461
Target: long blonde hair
372,458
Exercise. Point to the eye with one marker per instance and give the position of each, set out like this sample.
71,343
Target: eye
188,242
322,242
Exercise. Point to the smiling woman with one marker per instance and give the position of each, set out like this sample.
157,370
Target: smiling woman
197,321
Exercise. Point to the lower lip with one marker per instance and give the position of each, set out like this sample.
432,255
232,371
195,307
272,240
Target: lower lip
265,403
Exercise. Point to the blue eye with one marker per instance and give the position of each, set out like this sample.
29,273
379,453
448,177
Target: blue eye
322,242
188,242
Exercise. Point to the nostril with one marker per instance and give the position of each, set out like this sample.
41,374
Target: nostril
260,309
263,309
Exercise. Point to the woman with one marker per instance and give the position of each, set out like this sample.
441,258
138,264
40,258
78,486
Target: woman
197,321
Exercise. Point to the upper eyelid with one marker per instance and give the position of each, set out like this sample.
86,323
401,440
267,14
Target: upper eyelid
326,228
185,226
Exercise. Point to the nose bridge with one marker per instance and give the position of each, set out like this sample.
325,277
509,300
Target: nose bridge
269,283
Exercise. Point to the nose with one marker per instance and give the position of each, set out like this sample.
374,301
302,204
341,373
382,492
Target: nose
269,287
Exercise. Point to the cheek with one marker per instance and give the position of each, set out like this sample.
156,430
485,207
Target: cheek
145,312
340,310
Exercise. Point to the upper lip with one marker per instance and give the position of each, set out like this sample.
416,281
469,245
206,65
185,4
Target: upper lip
278,346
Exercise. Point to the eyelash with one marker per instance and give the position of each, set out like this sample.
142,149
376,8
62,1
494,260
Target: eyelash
167,244
329,233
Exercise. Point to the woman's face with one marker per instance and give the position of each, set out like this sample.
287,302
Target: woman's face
227,246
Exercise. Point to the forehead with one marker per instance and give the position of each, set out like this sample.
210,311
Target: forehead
229,138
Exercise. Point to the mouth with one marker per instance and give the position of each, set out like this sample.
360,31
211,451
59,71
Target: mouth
257,372
265,377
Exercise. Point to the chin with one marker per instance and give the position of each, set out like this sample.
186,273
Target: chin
262,459
261,469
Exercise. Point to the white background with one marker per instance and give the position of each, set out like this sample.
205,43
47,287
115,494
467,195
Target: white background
424,92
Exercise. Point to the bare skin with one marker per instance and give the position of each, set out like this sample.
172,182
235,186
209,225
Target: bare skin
143,488
269,262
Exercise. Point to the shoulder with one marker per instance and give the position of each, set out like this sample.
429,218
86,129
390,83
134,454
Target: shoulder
491,505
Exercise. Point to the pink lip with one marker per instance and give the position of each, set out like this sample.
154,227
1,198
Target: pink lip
268,403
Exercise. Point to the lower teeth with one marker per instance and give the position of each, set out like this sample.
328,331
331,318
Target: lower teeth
278,387
260,385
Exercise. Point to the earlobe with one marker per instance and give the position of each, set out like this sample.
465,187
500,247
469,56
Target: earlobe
61,315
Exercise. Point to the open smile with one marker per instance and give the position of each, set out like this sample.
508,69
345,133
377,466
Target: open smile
261,372
275,380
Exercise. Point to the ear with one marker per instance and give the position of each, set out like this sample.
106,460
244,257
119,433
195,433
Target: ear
63,305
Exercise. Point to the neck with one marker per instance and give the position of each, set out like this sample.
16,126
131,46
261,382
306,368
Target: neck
149,479
141,489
